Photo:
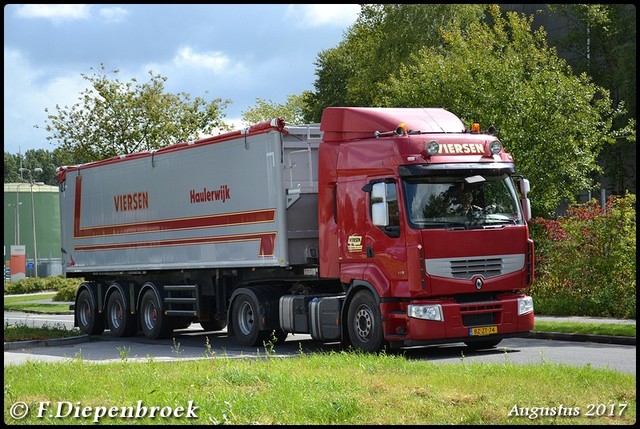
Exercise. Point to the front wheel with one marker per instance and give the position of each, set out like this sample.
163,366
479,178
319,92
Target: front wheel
89,320
364,323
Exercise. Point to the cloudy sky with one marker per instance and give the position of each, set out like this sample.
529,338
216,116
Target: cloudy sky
237,52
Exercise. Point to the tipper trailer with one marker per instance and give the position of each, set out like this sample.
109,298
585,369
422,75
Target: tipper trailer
377,227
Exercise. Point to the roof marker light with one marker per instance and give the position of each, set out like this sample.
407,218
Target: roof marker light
433,148
495,147
475,127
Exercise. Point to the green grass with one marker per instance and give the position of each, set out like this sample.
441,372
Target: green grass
27,304
23,332
334,388
615,329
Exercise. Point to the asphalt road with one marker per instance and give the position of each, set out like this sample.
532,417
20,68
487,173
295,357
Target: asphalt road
194,343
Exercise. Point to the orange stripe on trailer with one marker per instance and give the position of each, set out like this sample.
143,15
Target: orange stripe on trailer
267,243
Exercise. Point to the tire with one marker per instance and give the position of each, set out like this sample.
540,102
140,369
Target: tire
245,317
364,323
485,344
119,318
89,320
155,325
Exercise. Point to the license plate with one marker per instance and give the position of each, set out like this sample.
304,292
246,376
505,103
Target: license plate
483,330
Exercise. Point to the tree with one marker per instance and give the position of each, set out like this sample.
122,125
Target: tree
489,68
382,39
291,111
31,159
503,74
113,118
601,41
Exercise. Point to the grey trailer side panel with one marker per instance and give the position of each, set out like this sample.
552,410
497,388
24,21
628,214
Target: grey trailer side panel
201,206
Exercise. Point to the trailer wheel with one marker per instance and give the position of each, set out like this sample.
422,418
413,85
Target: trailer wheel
485,344
121,322
155,324
365,323
89,320
245,321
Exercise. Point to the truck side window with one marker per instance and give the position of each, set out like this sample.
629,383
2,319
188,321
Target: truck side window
391,198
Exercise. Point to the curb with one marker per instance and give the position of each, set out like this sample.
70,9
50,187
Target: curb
15,345
591,338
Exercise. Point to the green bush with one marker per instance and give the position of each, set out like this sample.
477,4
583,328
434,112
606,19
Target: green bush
64,287
67,292
586,261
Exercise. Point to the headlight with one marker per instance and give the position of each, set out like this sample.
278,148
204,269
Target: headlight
525,305
426,312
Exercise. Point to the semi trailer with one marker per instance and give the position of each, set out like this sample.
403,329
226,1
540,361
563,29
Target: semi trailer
378,227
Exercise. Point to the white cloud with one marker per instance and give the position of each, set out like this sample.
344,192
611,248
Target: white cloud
113,14
319,15
215,61
55,12
27,92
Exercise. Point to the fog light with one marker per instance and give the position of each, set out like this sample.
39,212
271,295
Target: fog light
525,305
426,312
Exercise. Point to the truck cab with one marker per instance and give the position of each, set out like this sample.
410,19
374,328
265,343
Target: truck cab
427,228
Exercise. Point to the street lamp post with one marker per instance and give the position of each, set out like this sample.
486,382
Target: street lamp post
16,234
33,214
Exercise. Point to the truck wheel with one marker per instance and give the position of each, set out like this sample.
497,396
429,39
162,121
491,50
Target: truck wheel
486,344
89,320
245,320
365,323
121,322
155,324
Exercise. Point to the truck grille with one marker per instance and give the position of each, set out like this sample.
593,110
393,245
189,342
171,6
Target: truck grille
467,268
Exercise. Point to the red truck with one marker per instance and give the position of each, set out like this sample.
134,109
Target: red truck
379,227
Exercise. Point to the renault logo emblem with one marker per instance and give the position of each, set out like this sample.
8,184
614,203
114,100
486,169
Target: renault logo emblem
479,283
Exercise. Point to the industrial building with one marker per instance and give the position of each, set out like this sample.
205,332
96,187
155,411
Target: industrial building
31,228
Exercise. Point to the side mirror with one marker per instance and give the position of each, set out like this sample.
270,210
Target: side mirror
523,185
379,192
379,206
380,214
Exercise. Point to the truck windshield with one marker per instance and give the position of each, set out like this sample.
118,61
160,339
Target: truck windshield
461,202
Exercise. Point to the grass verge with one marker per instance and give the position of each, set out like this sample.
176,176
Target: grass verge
23,332
31,304
334,388
615,329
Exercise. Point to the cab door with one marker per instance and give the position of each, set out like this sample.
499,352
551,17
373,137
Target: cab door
384,244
